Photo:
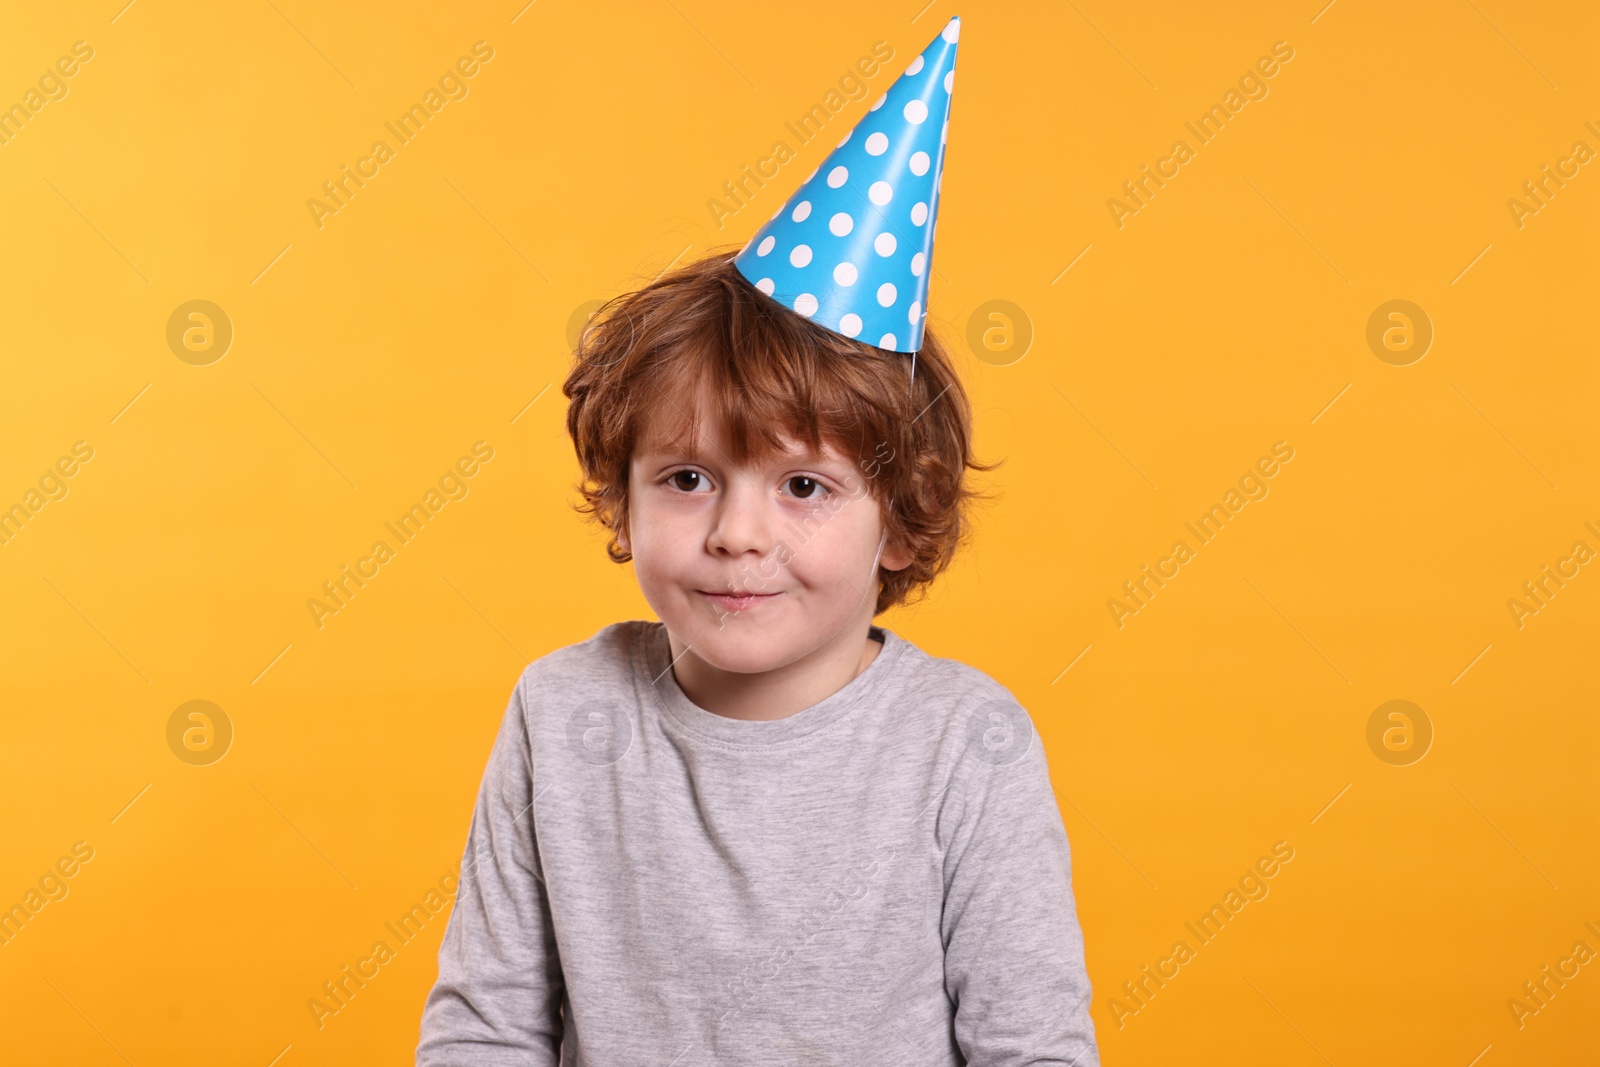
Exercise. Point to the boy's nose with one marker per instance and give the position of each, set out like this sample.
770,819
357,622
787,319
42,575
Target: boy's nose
742,522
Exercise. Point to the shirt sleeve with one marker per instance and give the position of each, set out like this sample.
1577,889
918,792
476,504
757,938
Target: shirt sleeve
497,999
1013,950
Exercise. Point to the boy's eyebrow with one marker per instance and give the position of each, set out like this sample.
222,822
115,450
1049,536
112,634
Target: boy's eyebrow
673,449
676,450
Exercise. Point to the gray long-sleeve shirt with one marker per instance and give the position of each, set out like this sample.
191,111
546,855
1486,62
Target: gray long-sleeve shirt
882,878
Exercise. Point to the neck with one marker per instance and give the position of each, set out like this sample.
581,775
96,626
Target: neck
782,691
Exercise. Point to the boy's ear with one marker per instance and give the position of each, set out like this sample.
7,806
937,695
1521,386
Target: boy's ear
894,558
622,538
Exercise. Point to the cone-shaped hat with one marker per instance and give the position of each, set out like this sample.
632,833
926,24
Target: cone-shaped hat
851,248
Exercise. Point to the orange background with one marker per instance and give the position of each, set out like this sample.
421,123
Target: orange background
433,310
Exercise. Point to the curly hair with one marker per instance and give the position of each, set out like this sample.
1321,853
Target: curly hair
773,372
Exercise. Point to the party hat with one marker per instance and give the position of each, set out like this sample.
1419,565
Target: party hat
850,250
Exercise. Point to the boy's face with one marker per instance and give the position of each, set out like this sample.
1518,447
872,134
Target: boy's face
797,534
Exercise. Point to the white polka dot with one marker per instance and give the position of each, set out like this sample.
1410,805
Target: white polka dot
813,173
837,177
916,312
801,255
841,224
950,81
916,66
766,245
880,193
802,211
806,304
845,274
919,163
847,136
879,104
919,213
877,144
887,341
886,294
850,325
952,32
917,263
765,285
915,112
944,133
884,244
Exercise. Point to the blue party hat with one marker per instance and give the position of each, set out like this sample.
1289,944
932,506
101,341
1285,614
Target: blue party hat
850,250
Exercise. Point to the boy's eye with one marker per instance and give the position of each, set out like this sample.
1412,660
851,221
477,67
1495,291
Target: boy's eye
686,480
805,487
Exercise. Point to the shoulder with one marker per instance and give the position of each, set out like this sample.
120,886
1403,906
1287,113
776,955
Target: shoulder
600,662
609,648
988,760
972,716
565,696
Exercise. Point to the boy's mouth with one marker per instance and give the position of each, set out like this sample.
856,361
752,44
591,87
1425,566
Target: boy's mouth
737,601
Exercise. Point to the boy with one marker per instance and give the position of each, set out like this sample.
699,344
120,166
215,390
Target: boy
764,830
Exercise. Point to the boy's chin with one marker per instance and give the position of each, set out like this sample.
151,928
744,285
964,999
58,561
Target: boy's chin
744,645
